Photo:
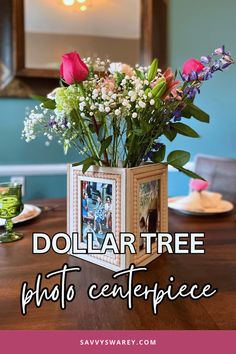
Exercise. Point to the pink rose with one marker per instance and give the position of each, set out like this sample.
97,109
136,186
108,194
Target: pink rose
192,65
109,84
198,185
73,69
127,70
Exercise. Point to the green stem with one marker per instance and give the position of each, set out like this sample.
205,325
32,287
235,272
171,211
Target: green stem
97,132
90,142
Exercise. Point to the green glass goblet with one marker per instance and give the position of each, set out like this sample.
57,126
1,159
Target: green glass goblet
10,206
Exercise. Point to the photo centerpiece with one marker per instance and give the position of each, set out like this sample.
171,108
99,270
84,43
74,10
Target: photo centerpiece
118,118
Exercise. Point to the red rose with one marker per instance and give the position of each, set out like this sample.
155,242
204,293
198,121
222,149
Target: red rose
73,69
192,65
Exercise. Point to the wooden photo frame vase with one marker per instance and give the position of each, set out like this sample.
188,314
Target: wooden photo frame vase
116,200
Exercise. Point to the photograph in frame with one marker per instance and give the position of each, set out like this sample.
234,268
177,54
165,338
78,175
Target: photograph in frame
95,201
149,211
97,210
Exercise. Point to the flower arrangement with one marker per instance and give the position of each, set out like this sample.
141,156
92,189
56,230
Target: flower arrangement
116,115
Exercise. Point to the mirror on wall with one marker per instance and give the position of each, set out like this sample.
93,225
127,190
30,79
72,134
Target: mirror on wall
105,29
35,34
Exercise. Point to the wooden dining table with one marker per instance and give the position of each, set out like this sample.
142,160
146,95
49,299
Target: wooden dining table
217,266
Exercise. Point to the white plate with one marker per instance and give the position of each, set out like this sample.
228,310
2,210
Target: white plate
29,212
224,207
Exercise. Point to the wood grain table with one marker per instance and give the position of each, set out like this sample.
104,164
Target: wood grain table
217,266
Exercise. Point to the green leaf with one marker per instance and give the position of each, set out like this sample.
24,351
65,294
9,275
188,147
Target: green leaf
138,132
186,113
105,144
39,98
184,129
92,128
119,77
178,157
169,133
188,172
197,113
89,159
47,102
145,126
159,155
86,165
153,70
140,74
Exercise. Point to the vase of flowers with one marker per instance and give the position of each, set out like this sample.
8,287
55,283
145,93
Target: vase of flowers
116,116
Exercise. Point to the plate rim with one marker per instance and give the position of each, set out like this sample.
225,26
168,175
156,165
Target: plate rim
39,211
192,212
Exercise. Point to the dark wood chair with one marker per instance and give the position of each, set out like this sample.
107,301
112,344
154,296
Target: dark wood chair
220,173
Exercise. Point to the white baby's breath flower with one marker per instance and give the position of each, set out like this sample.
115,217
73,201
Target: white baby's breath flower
117,112
152,102
140,93
142,104
101,108
134,115
115,67
107,109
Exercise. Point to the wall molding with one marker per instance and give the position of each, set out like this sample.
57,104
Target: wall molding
33,170
49,169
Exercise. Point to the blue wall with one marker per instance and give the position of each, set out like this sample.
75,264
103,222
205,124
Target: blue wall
14,150
196,28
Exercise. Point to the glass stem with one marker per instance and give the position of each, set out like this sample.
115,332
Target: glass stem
9,226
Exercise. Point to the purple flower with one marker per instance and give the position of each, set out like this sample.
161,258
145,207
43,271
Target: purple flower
205,60
191,91
225,64
193,76
215,66
177,114
221,51
207,75
155,148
